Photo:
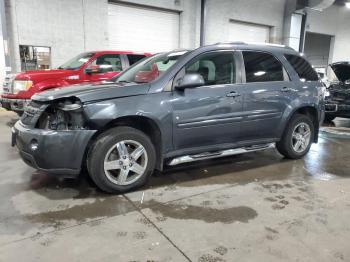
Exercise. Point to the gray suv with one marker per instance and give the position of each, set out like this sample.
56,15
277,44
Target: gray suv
173,108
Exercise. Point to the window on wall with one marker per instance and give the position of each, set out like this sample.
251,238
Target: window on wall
262,67
302,67
34,57
215,68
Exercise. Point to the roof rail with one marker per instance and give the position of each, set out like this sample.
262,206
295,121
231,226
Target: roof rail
231,43
254,43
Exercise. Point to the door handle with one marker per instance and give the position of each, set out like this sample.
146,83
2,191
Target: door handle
286,89
232,94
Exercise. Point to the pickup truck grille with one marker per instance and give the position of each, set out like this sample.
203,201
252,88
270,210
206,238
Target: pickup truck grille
7,85
32,112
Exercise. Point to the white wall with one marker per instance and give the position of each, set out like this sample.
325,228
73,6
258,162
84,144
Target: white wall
70,27
2,57
333,21
60,25
267,12
2,44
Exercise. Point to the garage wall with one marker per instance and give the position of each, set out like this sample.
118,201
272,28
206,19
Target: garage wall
70,27
333,21
219,13
52,23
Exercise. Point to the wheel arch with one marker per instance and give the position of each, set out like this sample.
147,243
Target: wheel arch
142,123
309,111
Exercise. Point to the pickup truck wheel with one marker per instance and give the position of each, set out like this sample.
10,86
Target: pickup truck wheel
121,159
297,138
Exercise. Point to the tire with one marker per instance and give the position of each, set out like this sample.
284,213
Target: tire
107,166
329,118
285,145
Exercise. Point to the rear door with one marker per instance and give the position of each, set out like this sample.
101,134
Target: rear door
268,92
209,115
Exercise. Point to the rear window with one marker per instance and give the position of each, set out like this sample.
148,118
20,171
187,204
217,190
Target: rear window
302,67
135,58
262,67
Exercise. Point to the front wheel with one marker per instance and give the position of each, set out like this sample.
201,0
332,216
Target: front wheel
121,159
297,138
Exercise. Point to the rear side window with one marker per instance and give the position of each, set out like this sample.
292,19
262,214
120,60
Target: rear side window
262,67
302,67
135,58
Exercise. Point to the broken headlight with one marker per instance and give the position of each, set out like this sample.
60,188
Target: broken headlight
66,114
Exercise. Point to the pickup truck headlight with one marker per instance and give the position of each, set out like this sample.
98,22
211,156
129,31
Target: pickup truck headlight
21,85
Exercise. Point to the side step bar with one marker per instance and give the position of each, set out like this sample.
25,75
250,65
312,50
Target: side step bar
228,152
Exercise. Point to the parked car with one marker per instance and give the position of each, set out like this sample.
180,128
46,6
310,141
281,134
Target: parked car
86,67
173,108
338,94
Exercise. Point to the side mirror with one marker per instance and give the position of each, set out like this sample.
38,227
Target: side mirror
97,69
189,81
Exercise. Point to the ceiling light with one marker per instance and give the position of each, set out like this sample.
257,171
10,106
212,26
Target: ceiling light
347,4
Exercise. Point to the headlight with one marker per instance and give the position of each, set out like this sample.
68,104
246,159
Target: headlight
21,85
326,93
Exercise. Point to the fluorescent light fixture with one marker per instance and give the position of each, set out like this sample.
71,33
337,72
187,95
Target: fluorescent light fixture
260,73
347,4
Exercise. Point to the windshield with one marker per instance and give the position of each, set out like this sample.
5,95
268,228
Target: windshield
76,62
150,69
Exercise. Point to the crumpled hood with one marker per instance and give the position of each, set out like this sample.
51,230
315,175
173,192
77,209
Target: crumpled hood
341,70
92,92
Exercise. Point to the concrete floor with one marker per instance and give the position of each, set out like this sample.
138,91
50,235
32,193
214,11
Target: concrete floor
254,207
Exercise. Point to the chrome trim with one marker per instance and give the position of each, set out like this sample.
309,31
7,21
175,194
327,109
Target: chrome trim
210,155
335,105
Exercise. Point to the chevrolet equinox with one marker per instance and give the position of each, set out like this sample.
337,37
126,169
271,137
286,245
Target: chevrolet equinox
173,108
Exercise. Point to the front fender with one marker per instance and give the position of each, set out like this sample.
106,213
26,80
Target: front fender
156,107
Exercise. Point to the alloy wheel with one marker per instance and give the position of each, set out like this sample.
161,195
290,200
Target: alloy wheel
301,137
125,162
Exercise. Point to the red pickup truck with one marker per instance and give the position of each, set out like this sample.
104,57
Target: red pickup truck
86,67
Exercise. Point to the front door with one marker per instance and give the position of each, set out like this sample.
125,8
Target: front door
209,115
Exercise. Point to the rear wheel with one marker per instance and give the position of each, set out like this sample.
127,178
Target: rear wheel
297,138
122,159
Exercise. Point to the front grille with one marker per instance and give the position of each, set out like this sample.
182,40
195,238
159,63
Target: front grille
32,112
8,81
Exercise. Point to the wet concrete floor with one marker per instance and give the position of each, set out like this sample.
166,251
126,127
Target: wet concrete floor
253,207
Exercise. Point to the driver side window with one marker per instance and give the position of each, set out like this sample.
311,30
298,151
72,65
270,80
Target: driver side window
112,62
216,68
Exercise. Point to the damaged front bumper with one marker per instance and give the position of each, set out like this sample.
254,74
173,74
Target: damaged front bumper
53,151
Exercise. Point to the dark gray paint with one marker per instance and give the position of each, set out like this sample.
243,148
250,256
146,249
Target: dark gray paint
193,120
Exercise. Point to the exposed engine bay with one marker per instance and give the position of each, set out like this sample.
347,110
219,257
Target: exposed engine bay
62,115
